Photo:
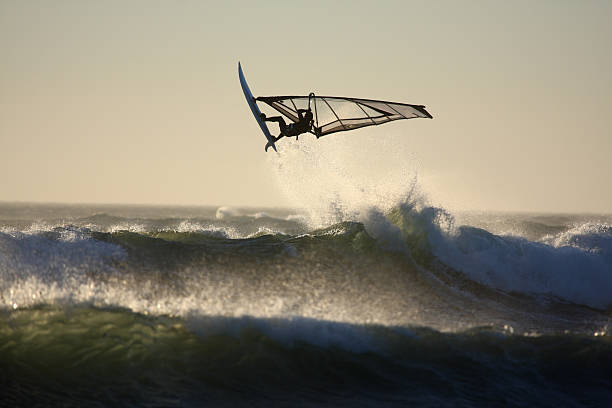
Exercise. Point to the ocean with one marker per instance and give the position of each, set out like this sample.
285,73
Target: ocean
115,305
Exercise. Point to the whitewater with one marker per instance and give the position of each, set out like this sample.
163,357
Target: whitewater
360,293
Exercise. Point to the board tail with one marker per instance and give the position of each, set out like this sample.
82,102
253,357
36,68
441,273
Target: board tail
270,144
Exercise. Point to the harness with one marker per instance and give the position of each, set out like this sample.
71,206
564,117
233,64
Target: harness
303,126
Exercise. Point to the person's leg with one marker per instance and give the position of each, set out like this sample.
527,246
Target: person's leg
281,123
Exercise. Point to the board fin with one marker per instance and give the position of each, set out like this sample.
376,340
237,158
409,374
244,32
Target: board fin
270,144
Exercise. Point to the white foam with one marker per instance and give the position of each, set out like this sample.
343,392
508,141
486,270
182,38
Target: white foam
209,229
296,218
35,267
124,226
590,237
225,212
574,265
263,231
332,183
322,179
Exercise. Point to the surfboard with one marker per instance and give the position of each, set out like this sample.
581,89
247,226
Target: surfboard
256,112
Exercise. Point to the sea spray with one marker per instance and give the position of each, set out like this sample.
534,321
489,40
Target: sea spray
574,265
332,185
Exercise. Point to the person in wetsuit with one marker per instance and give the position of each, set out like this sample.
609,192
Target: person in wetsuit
303,125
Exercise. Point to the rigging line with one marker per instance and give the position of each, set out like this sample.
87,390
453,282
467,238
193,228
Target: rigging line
334,112
366,113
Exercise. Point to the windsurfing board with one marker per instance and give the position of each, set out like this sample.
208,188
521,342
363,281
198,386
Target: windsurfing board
256,112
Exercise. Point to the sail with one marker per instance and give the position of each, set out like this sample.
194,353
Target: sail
337,114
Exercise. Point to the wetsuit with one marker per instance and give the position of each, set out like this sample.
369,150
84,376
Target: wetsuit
303,125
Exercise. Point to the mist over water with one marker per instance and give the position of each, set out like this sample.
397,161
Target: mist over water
343,183
571,260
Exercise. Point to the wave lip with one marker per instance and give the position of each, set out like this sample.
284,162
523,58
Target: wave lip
589,237
574,265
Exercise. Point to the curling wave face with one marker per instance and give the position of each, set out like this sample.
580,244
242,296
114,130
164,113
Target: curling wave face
573,264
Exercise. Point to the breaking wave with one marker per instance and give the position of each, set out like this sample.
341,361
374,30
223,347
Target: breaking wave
559,257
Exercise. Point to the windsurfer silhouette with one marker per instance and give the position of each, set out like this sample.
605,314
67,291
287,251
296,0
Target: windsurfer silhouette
303,125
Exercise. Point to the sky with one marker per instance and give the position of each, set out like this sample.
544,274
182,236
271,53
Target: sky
139,101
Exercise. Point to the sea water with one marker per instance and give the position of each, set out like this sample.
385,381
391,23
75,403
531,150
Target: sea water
192,306
360,293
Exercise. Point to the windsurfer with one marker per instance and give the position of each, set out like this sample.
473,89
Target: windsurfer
303,125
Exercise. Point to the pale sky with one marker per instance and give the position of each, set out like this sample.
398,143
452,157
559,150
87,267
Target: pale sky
139,101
